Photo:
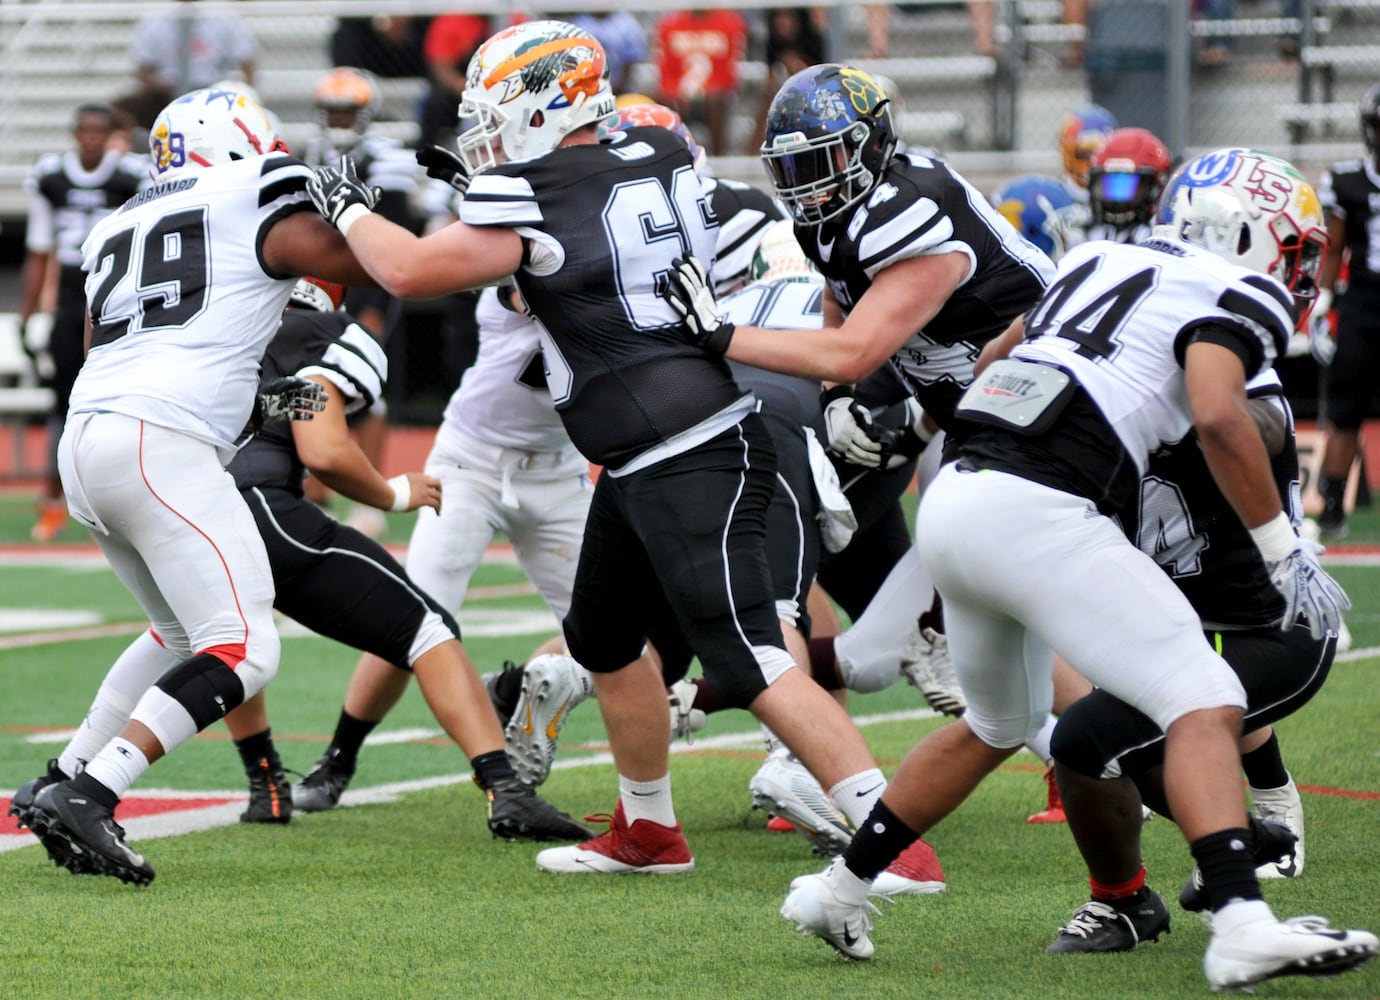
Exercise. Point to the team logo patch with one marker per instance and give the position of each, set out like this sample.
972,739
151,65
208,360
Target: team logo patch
1211,168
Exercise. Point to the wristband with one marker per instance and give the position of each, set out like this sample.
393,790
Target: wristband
349,217
402,492
718,340
1275,538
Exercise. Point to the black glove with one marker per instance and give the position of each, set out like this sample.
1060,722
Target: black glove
443,165
290,397
335,191
687,290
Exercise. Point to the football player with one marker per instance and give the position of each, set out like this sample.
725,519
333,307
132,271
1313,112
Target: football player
1017,535
185,285
675,526
1350,192
1125,178
341,584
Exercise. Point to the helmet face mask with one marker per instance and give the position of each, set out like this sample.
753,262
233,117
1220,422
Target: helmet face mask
208,128
347,100
1126,176
829,137
528,87
1253,209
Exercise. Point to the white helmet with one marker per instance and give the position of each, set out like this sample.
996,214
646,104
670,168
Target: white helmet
208,128
1251,208
528,87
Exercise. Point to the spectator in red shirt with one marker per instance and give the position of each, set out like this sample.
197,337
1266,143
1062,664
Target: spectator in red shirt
450,41
697,54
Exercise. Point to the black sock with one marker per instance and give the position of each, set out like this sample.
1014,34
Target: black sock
492,767
1264,766
878,842
256,749
84,784
1228,866
349,737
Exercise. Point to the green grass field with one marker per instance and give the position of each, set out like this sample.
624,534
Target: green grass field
411,897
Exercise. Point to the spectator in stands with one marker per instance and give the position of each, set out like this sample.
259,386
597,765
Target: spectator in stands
697,53
795,40
1216,50
624,41
68,194
450,41
386,46
177,53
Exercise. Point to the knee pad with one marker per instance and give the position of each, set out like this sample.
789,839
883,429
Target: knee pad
205,687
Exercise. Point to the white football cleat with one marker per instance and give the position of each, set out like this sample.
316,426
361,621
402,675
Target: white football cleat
552,685
685,718
814,906
926,664
1282,805
1300,946
783,787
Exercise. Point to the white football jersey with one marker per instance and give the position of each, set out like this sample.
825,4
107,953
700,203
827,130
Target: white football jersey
182,305
503,398
1117,317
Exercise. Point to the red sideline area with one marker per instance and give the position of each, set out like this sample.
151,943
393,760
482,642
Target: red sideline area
129,808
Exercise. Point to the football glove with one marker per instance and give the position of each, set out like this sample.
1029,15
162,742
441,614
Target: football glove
1320,340
340,196
443,165
1308,590
901,444
290,397
689,293
849,429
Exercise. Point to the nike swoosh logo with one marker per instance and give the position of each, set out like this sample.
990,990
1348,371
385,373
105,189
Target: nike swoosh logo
553,728
867,791
1288,870
850,938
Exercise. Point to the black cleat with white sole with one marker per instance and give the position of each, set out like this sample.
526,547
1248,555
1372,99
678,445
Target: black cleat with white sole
1098,926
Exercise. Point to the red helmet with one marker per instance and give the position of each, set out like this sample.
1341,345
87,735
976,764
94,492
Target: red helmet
1126,176
313,293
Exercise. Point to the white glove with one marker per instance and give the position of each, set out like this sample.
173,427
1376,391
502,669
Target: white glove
288,398
689,293
1321,343
849,430
1292,563
340,196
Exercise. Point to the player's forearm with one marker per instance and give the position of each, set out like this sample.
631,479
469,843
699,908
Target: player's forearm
31,288
346,469
1240,466
828,355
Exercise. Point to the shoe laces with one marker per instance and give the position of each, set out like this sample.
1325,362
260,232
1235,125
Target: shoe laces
1089,918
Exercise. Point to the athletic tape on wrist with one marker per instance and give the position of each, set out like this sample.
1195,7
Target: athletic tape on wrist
1275,538
349,217
402,492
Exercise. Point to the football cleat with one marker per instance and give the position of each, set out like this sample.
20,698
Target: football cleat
322,787
1271,842
916,872
83,837
270,796
1300,946
1053,812
642,847
784,788
926,664
1282,805
685,718
503,693
814,906
552,685
516,812
1118,926
22,805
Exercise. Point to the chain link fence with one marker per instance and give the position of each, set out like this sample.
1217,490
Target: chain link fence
986,82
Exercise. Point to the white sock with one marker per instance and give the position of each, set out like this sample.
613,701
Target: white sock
118,766
647,800
1039,743
857,795
143,662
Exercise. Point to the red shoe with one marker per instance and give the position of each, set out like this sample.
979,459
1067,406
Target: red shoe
52,518
917,872
778,825
1054,808
645,847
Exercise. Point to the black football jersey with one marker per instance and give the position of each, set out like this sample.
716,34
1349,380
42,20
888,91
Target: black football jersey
1351,191
743,212
78,198
922,207
1181,519
306,344
605,221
